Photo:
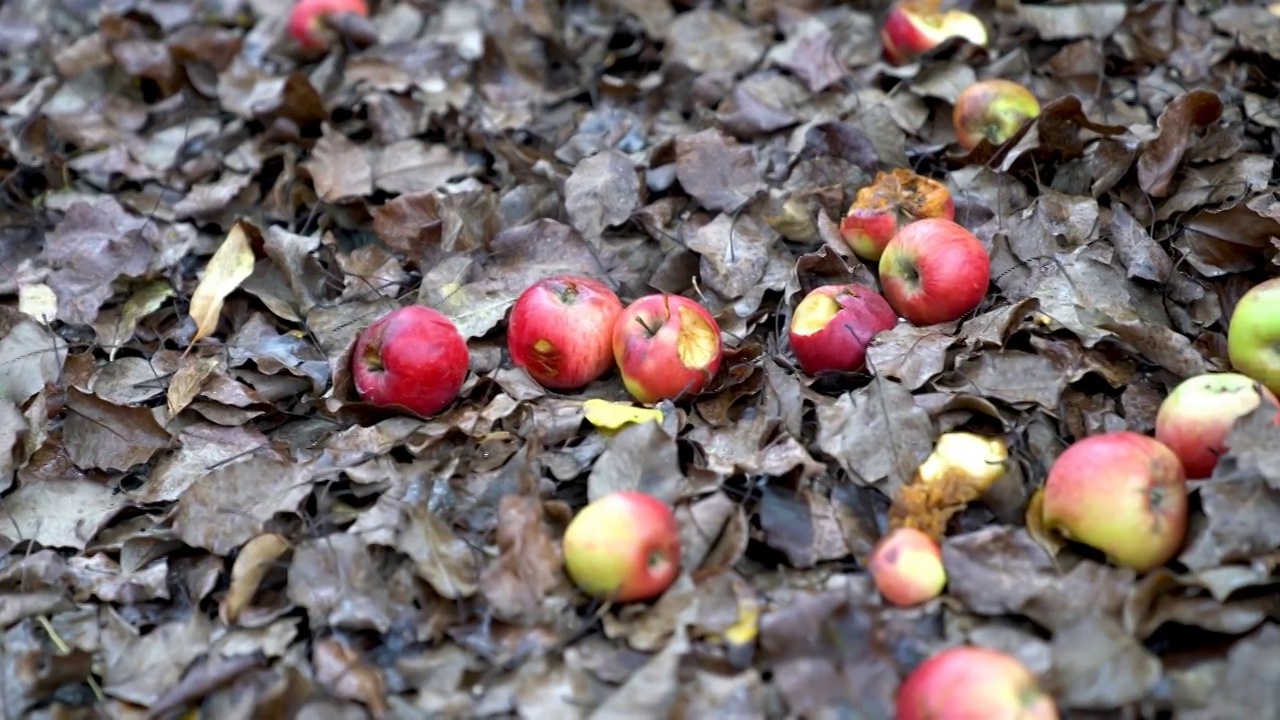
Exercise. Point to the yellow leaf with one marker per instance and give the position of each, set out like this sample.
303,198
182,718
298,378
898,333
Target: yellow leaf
187,382
251,565
38,301
229,266
611,415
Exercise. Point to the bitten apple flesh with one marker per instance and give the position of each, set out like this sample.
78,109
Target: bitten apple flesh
934,271
624,547
1121,493
412,357
666,347
970,682
309,18
913,28
561,331
833,325
992,110
892,200
1196,418
1253,336
906,566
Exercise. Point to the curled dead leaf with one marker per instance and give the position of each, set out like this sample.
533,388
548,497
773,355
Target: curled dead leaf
230,265
251,565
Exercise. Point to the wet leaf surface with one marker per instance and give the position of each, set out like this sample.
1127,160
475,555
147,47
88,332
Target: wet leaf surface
197,218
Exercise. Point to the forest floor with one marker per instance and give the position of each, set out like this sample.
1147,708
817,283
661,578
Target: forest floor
199,514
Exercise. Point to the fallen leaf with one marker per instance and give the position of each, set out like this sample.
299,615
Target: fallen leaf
230,265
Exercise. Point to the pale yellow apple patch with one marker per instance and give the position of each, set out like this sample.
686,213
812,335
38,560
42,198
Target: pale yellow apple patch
613,416
698,344
543,346
977,458
813,313
924,569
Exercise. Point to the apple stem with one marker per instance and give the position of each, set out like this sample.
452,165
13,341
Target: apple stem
650,330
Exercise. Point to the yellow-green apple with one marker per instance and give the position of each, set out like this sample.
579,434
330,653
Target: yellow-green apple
914,27
309,20
561,328
833,324
1121,493
992,110
1195,419
666,347
412,357
973,683
624,547
907,567
892,200
934,271
1253,336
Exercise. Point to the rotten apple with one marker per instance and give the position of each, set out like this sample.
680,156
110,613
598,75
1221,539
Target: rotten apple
310,21
560,330
624,547
412,357
969,682
992,110
1195,419
833,325
934,271
1121,493
914,27
666,347
906,565
892,200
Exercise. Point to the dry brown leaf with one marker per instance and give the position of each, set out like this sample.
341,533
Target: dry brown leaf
251,565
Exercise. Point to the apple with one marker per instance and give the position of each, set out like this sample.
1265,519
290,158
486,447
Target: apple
1122,493
992,110
666,346
560,330
1195,419
975,461
412,357
892,200
624,547
1253,336
309,20
833,324
914,27
907,567
968,682
934,271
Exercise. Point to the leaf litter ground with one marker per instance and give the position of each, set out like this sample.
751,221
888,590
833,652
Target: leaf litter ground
197,222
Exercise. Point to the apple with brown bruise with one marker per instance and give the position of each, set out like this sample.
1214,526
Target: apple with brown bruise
666,347
560,331
992,110
892,200
906,566
1196,418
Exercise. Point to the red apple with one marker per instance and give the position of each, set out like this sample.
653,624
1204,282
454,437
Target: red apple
412,357
993,110
1121,493
832,326
934,271
914,27
973,683
560,330
891,201
1195,419
308,21
624,547
666,346
907,567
